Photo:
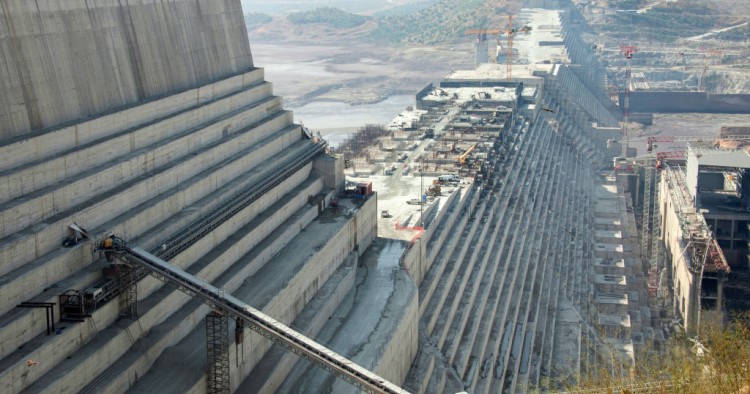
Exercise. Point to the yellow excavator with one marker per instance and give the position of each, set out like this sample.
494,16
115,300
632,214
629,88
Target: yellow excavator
462,159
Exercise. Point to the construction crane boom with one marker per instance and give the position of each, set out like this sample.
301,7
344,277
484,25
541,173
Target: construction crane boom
462,158
256,320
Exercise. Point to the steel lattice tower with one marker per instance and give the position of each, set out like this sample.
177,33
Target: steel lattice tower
128,285
217,352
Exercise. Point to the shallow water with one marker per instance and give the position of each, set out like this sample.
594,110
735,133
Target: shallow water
336,121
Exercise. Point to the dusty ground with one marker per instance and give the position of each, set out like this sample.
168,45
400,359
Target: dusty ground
695,124
352,71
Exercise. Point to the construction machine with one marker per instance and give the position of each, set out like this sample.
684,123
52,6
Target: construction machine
463,158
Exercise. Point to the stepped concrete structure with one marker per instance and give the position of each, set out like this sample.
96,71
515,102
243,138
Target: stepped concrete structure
149,119
144,119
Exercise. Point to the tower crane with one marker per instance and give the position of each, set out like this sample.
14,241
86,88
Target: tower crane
510,32
509,59
482,35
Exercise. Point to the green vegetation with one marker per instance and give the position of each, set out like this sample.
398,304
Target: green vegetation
405,9
628,4
668,23
739,34
425,22
255,19
329,16
445,21
720,364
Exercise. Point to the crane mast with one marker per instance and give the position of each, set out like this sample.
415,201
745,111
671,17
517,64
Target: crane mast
628,51
509,58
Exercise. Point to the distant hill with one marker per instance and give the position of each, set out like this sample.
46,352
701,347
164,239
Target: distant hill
445,21
329,16
255,19
427,22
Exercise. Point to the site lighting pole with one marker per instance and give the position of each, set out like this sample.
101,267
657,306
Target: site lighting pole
628,51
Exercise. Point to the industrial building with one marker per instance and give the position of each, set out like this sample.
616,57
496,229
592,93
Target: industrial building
141,139
705,233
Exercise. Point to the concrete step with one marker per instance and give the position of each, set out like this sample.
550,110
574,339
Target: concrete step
481,330
55,349
69,137
58,262
70,191
435,315
23,180
444,253
464,295
273,368
147,219
520,358
536,313
513,282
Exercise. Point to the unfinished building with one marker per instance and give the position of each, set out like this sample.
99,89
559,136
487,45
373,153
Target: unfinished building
705,233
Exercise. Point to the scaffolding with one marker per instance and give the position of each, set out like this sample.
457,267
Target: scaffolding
217,352
127,280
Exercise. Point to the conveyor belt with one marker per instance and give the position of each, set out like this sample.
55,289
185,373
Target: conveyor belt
187,236
257,321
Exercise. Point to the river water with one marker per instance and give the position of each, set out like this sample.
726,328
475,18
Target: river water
336,120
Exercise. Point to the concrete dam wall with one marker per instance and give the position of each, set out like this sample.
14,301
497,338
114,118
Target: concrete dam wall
147,118
66,60
676,102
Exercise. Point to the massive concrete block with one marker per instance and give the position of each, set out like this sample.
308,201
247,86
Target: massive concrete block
67,60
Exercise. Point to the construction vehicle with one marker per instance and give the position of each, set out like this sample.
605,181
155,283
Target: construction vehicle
463,158
434,190
446,179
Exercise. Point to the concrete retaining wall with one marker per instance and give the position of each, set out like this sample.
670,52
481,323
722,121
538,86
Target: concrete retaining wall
414,260
402,348
678,102
366,224
328,299
285,306
72,59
